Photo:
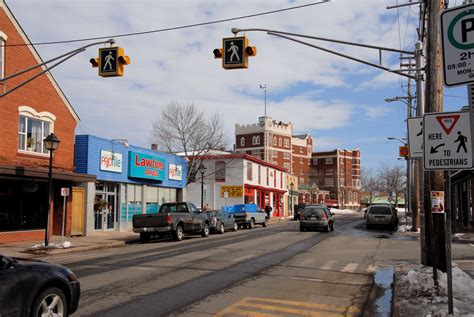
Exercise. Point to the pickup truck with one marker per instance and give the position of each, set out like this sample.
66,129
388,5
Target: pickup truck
172,218
248,215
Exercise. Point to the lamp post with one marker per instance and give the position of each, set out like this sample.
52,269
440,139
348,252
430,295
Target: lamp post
291,197
202,169
51,143
264,87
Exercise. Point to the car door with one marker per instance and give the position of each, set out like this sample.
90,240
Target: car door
224,217
197,217
11,295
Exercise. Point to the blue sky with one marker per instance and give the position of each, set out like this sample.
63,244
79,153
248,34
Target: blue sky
340,102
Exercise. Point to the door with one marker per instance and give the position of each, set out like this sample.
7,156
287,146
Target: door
77,221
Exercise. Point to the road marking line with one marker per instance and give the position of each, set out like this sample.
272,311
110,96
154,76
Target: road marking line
350,268
245,306
328,265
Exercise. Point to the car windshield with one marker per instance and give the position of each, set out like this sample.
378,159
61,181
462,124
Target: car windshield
380,210
314,211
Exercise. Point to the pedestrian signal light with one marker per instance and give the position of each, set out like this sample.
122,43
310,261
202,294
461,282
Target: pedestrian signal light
94,62
111,61
251,50
235,52
403,151
217,52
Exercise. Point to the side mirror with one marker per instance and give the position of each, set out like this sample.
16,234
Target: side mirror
5,262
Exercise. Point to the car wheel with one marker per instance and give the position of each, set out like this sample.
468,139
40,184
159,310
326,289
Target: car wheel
252,224
221,228
367,226
144,236
326,229
236,227
178,233
205,230
50,302
265,223
332,226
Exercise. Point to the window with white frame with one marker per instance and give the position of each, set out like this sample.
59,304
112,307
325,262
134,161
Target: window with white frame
328,182
329,172
33,127
315,161
286,165
3,40
279,142
287,143
274,140
301,180
301,160
286,156
328,160
242,141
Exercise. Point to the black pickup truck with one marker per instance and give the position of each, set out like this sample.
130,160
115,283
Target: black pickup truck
172,218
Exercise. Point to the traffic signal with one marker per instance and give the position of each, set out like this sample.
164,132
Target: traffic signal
403,151
235,52
111,61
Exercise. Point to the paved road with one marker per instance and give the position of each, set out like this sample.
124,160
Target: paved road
275,270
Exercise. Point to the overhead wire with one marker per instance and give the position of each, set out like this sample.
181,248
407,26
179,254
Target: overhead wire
176,27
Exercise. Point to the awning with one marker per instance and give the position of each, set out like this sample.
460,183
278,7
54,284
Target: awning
31,172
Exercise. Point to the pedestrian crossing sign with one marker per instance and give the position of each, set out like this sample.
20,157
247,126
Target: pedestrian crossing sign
447,141
234,52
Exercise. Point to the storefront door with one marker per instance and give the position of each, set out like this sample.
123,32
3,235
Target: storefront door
105,206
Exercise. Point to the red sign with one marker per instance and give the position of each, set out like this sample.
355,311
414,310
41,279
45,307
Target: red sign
448,122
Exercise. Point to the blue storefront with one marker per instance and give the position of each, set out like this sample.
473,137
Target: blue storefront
130,180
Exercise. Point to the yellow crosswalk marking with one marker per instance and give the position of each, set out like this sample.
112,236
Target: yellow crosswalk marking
277,307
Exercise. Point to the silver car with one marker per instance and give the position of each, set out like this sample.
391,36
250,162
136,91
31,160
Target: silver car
316,217
382,216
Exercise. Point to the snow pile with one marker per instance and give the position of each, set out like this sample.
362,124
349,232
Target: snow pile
416,292
67,244
343,211
404,228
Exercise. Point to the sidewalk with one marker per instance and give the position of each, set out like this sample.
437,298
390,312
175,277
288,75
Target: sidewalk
96,240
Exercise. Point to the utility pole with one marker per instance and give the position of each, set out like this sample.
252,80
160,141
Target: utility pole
434,180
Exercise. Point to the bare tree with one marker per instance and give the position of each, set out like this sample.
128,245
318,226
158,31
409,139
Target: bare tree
370,183
184,128
393,179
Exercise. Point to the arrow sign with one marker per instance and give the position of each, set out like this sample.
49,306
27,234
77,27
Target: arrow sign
435,149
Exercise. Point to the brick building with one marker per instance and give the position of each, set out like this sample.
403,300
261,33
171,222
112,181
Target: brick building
273,141
338,173
27,116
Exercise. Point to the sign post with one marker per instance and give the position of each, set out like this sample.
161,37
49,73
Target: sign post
65,194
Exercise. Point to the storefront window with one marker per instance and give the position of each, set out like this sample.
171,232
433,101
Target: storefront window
23,205
151,198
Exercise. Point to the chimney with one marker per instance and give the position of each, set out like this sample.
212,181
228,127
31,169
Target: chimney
154,147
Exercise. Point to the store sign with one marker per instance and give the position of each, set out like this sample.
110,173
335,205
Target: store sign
146,166
175,172
232,191
110,161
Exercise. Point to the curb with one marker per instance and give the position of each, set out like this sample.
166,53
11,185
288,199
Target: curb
52,251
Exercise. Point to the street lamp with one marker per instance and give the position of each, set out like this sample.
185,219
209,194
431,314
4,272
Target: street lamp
264,87
291,197
202,169
51,143
402,140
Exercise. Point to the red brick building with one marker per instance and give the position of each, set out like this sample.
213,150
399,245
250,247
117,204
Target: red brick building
338,173
273,141
27,116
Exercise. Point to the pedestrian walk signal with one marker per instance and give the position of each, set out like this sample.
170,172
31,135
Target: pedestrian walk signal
235,52
111,61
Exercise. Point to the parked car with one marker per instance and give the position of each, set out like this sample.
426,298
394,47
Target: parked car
36,288
172,218
220,221
316,217
381,215
298,210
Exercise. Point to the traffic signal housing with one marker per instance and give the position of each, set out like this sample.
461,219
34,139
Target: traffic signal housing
235,52
111,61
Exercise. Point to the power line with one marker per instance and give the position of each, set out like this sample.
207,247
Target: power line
176,27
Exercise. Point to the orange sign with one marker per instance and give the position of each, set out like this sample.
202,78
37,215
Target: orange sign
232,191
403,151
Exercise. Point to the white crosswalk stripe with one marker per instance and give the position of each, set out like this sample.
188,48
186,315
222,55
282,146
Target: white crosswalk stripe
350,268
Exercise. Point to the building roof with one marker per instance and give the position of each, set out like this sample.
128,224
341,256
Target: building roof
301,136
38,58
242,156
